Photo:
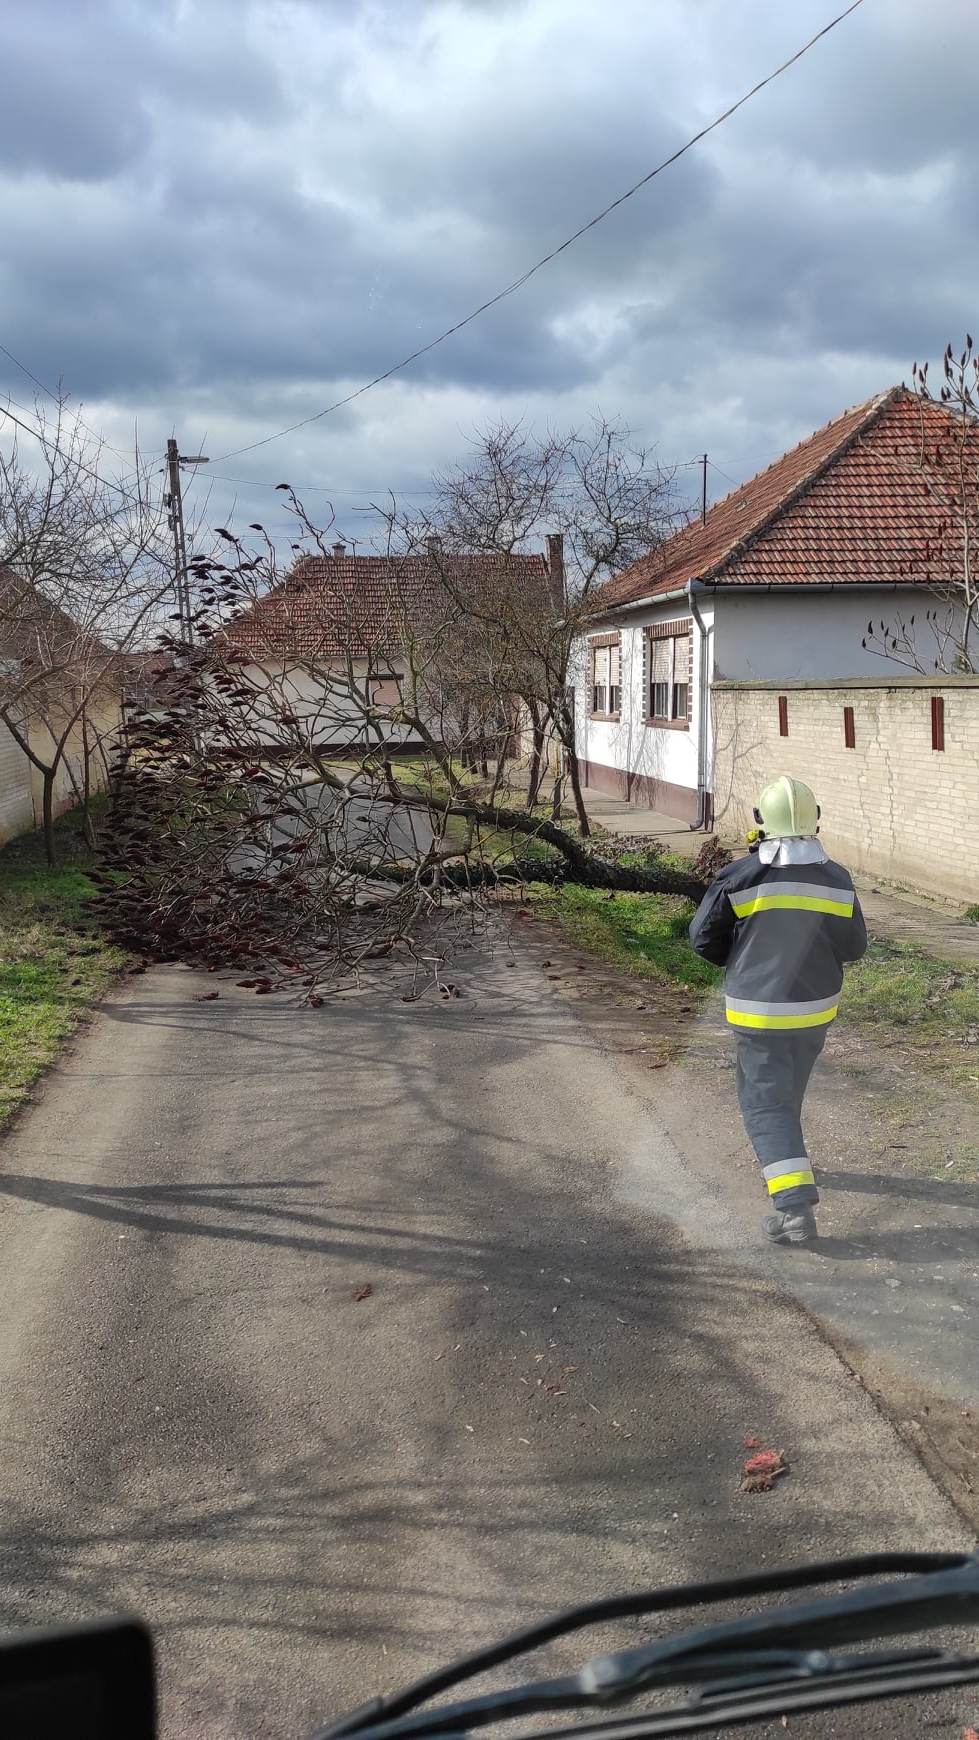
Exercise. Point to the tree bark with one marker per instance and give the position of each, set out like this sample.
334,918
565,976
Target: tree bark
536,770
536,773
87,822
579,865
574,774
50,849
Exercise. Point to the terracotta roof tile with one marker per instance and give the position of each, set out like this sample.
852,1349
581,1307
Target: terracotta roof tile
335,606
848,506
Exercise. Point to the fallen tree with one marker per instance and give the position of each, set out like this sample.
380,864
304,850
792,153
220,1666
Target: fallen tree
300,798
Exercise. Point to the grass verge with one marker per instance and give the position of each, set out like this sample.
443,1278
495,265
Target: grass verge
53,962
898,994
646,934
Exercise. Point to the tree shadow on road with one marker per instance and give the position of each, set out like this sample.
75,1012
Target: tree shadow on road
563,1414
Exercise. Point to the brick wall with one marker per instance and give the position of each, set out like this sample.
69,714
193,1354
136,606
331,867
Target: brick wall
893,806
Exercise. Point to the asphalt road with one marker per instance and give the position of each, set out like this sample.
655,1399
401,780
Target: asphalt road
544,1396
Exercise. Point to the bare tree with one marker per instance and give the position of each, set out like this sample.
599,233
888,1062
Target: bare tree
943,636
602,503
83,572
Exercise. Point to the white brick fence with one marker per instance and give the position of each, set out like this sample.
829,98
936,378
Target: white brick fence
893,761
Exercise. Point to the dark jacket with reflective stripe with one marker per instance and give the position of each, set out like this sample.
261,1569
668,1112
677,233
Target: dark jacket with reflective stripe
783,932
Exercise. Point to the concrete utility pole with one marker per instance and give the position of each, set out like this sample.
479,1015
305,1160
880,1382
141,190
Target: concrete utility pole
703,496
174,501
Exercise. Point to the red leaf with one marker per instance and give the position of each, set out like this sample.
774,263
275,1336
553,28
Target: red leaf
752,1443
761,1471
766,1462
363,1292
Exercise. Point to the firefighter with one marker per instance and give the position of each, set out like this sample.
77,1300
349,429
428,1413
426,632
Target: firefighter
782,921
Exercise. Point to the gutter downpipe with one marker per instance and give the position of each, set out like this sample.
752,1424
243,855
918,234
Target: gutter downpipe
703,706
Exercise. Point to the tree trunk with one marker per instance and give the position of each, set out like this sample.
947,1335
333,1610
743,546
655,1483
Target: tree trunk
574,774
536,767
50,851
87,823
535,772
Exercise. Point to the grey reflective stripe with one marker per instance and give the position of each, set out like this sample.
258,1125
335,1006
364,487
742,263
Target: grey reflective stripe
741,1006
810,890
769,889
800,1163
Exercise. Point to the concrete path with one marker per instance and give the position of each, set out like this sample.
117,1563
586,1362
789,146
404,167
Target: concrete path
335,1341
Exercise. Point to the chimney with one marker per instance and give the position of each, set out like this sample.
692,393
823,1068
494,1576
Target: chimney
555,566
339,549
434,546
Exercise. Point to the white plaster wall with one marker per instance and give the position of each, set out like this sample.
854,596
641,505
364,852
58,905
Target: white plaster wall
768,636
16,802
628,744
331,715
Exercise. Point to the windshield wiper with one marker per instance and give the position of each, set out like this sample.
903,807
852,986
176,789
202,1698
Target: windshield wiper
781,1650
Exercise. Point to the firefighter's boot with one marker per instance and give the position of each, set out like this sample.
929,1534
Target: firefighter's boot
790,1226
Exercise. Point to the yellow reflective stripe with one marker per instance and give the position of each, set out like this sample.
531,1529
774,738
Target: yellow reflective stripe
738,1018
794,903
789,1180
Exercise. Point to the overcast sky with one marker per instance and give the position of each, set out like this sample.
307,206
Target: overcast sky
220,215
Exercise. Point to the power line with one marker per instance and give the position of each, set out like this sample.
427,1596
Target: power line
78,464
518,283
366,488
100,438
715,467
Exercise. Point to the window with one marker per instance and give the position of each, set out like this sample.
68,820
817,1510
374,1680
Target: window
849,729
615,679
668,679
681,677
606,689
783,715
938,722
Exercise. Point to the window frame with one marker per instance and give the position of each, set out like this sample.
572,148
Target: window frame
671,719
611,645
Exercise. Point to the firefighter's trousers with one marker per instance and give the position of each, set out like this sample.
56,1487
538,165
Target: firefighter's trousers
773,1071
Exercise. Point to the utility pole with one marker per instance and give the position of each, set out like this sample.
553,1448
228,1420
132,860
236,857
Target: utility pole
703,496
174,501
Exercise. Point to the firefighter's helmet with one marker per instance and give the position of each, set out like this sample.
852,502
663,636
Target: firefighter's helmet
787,810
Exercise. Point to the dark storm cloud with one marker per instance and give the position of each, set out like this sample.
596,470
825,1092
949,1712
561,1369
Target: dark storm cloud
235,212
85,83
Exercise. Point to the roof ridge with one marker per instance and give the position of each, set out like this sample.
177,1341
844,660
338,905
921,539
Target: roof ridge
871,408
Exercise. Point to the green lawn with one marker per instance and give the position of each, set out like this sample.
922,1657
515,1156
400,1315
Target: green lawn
53,962
646,934
899,986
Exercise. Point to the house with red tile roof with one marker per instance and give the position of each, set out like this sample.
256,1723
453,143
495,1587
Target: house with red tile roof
339,637
779,582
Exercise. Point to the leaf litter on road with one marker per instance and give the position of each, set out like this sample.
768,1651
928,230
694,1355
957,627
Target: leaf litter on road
363,1292
760,1471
